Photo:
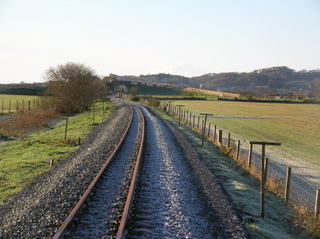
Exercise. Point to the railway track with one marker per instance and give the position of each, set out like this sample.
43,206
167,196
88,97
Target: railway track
146,189
103,208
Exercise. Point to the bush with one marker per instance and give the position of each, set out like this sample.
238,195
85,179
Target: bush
74,87
153,102
21,123
134,98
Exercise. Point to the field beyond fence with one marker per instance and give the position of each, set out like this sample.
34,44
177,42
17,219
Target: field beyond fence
13,103
296,127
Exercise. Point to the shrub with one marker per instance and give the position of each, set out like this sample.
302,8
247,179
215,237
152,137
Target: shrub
153,102
21,123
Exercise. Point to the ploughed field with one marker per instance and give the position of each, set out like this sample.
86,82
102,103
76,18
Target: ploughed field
296,126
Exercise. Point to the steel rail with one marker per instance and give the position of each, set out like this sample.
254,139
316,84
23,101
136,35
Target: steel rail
67,222
125,214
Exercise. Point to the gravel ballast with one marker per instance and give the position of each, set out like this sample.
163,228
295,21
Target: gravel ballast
229,221
41,207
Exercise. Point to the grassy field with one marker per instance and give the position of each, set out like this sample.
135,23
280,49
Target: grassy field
296,126
19,167
16,102
156,90
243,191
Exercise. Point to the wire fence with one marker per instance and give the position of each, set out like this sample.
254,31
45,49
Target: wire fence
11,106
302,192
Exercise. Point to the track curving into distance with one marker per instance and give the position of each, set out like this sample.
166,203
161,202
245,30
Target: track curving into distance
147,190
98,214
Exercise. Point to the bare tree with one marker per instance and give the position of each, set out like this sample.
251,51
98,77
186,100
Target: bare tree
73,86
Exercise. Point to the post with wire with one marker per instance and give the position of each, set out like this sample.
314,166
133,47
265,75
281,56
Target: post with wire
204,126
179,112
263,171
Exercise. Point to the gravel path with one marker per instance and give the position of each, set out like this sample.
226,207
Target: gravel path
172,198
39,210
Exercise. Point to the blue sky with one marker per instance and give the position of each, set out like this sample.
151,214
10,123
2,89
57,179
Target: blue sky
149,36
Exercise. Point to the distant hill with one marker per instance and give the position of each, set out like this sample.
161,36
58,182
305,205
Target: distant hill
274,80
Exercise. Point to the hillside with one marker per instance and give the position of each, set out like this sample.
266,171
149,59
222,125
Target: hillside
274,80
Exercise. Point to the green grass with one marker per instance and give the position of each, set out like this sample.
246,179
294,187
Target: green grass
173,97
296,126
243,190
198,94
23,160
16,102
156,90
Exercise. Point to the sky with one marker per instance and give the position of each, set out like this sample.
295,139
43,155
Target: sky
133,37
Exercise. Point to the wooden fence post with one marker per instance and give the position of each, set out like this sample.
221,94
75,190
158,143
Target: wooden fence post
229,139
93,114
194,119
23,105
102,114
263,173
79,141
250,156
17,108
66,129
265,170
198,122
2,108
9,106
262,188
29,106
220,137
215,133
203,129
238,150
287,189
209,130
317,204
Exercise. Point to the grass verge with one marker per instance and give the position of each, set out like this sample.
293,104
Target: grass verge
22,161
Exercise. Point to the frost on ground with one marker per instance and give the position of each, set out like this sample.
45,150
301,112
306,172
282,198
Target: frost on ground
170,200
243,191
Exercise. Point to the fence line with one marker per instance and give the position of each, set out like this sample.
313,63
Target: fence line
11,106
302,191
